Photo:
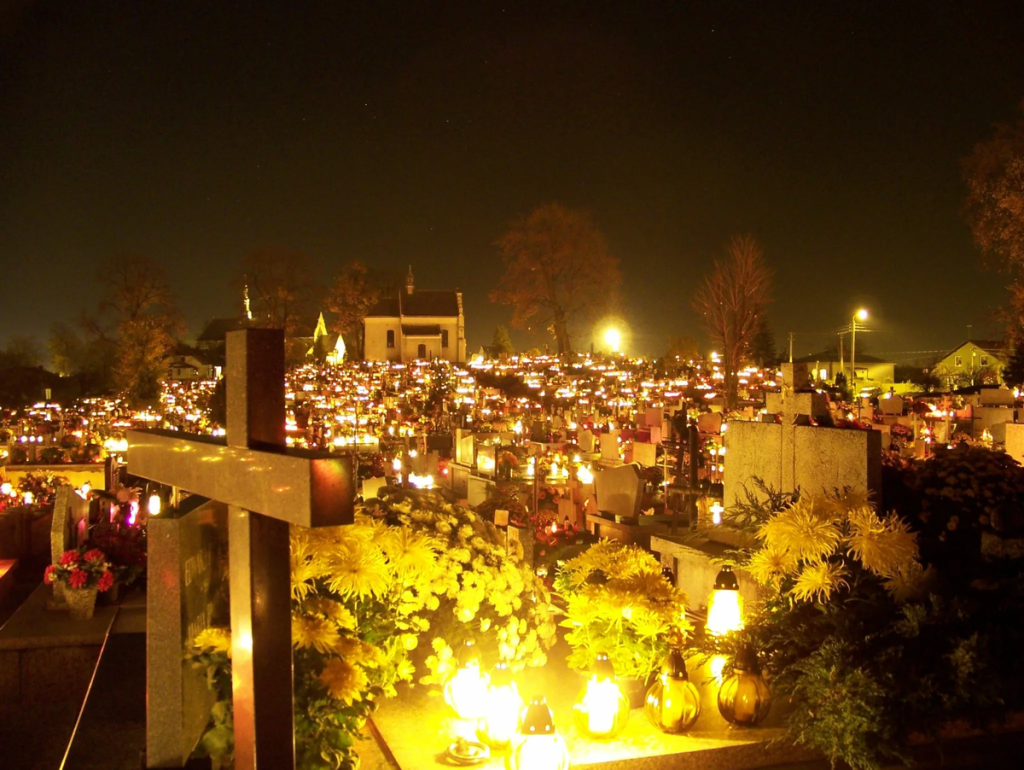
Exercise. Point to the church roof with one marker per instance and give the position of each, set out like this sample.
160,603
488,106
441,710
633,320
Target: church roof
419,303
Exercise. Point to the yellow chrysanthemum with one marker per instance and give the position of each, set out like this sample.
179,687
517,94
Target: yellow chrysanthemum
770,566
818,580
806,530
884,546
359,652
358,572
907,582
410,552
332,610
306,565
344,681
313,631
215,639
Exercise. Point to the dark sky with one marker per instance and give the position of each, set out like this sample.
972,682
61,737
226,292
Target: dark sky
411,132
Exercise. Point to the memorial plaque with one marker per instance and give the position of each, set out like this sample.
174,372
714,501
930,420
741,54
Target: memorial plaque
188,565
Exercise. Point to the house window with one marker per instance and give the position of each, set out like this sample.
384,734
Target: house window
984,360
444,338
391,338
958,361
421,352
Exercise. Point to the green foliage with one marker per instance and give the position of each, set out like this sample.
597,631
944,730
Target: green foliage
879,656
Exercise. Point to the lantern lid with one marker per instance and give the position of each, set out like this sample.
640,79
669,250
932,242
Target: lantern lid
603,668
501,675
746,660
468,653
537,719
675,666
726,580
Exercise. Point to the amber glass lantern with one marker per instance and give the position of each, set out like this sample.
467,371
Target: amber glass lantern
466,691
744,698
601,709
725,611
672,703
537,745
502,709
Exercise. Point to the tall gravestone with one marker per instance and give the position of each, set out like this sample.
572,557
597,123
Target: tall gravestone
265,488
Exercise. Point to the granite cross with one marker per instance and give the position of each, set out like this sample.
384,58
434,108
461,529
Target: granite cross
266,488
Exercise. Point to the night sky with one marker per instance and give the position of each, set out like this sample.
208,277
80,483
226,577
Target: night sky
414,133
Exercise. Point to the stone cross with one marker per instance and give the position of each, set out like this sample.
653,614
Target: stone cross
266,489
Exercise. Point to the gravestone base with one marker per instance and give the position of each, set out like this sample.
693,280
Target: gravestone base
415,728
690,561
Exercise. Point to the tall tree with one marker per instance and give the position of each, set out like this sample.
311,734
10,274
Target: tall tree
501,344
762,347
731,302
140,307
558,272
994,207
1013,372
281,288
354,293
67,351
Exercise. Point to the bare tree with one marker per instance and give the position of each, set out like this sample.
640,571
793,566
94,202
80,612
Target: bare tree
994,209
558,272
354,293
141,308
731,301
281,288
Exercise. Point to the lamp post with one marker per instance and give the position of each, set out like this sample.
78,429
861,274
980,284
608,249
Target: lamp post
862,315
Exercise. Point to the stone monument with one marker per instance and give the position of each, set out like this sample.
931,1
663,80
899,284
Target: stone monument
264,488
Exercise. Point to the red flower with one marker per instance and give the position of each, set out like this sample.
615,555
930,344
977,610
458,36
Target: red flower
106,580
69,557
49,576
94,555
78,578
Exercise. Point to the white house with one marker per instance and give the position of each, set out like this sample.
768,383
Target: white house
414,324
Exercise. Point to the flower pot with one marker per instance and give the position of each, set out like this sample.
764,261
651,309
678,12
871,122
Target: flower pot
81,602
112,595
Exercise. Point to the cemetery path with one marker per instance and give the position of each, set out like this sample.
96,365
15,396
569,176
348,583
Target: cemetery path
111,734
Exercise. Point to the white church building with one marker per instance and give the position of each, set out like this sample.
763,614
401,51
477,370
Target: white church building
414,324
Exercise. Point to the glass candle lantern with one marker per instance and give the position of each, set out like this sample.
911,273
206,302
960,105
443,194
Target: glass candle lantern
502,709
466,691
725,610
537,745
744,698
601,709
672,703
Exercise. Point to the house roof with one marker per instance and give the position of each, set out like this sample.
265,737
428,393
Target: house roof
998,348
421,330
830,356
419,303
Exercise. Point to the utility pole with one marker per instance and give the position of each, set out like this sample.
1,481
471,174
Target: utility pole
791,347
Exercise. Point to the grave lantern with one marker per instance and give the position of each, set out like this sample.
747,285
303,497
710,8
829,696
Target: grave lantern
498,725
672,703
725,609
154,505
601,709
538,746
744,698
466,691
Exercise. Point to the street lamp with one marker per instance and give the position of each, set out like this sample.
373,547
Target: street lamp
614,339
860,315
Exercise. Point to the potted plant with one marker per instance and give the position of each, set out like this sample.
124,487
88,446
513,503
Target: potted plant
619,603
82,574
